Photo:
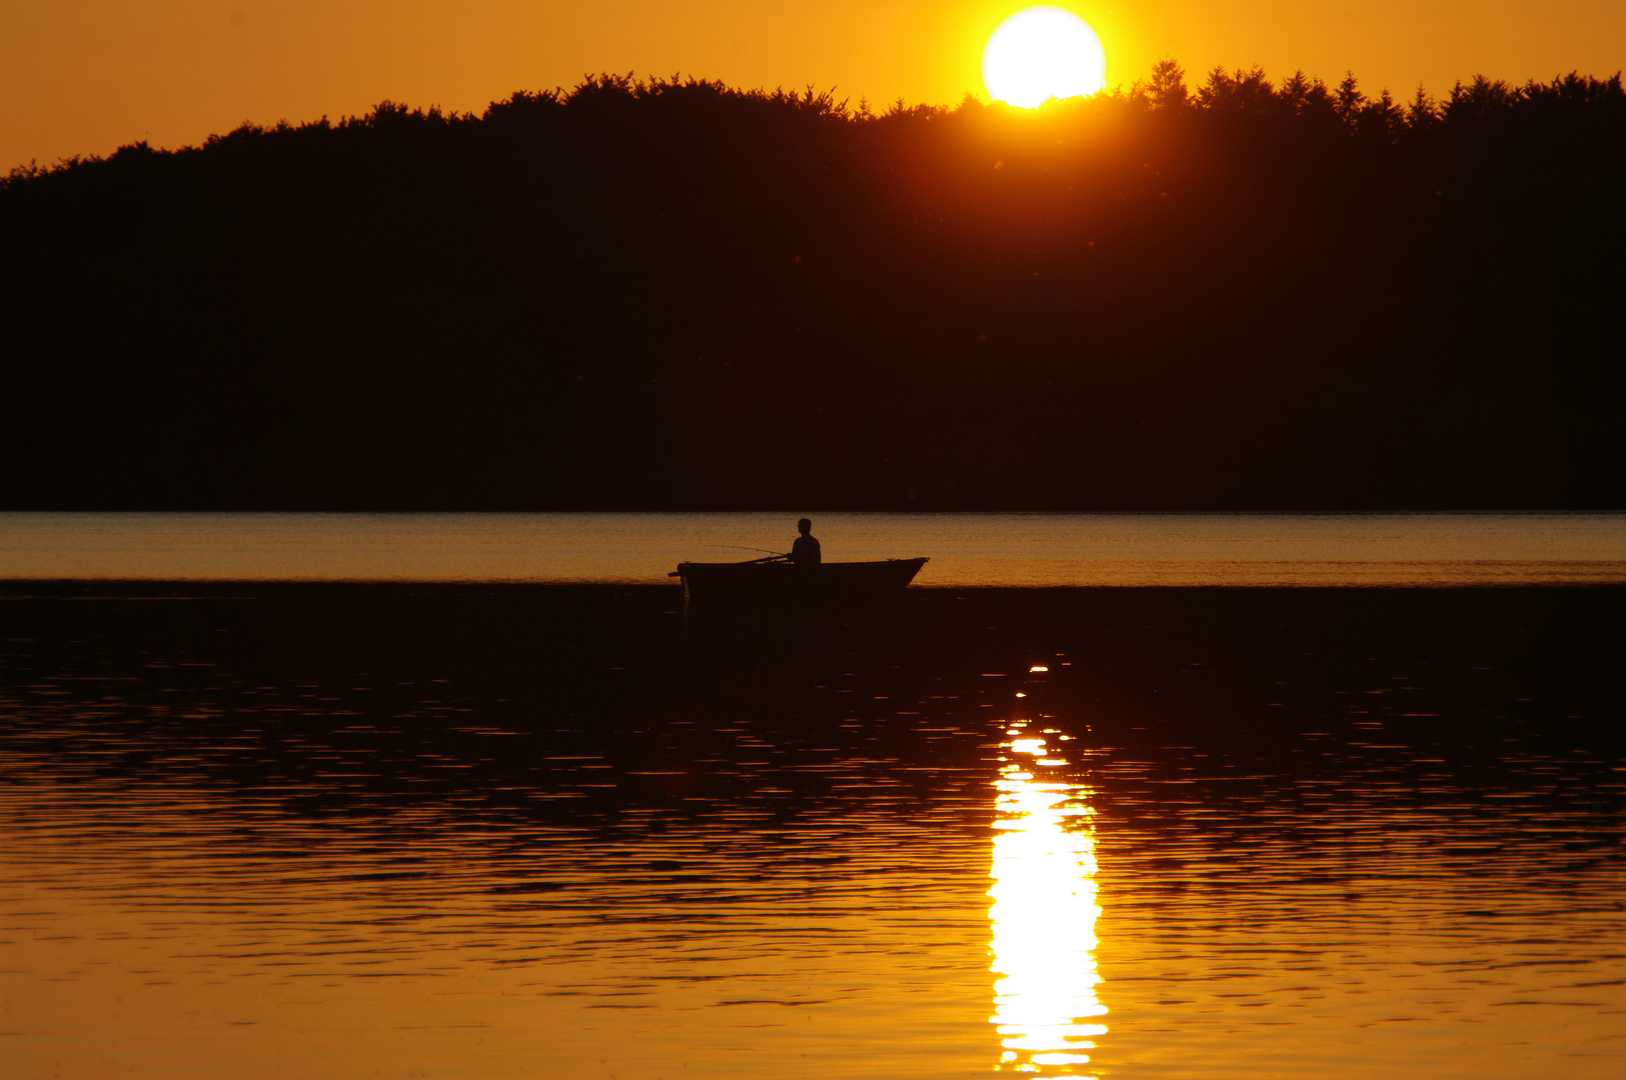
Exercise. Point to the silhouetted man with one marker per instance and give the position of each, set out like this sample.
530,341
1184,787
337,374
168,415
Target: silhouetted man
805,551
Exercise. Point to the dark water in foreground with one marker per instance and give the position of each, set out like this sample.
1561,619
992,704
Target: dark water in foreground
483,832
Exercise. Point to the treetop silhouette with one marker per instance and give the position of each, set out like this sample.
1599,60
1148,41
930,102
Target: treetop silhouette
650,292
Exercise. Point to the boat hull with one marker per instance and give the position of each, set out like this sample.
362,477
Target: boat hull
786,584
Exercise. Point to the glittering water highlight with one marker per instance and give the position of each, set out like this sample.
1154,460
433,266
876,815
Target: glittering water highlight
1044,912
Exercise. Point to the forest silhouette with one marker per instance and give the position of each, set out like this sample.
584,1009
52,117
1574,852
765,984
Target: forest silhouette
673,294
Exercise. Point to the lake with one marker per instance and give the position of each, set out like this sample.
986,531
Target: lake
966,550
475,830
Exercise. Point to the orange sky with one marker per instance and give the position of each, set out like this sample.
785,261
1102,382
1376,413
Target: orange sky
84,76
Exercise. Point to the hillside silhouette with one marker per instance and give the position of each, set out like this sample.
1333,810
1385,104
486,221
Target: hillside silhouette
668,293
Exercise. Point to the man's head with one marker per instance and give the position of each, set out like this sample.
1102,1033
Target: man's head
804,526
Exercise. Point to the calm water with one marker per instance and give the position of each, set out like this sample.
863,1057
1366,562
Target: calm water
966,550
520,831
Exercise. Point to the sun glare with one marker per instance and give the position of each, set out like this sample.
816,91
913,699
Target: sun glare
1047,1007
1041,53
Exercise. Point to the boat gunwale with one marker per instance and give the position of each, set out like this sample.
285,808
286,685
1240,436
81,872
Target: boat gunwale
766,564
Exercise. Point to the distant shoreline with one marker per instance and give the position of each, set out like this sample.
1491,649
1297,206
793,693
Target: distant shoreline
674,294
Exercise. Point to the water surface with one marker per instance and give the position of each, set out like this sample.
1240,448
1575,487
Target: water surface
966,550
486,832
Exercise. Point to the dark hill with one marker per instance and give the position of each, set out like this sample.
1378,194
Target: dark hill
678,295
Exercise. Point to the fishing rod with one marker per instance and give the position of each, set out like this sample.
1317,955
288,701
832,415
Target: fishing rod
771,556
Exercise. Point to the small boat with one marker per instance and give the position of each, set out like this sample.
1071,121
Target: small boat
778,581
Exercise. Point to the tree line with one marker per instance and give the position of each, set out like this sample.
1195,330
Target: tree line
671,293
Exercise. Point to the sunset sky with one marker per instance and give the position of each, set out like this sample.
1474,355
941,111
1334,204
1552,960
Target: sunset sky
84,76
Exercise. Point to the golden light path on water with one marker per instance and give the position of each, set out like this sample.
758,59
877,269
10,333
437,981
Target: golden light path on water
1044,912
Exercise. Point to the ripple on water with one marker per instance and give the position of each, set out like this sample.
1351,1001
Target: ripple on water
230,854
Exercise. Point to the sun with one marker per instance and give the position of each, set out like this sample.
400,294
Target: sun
1041,53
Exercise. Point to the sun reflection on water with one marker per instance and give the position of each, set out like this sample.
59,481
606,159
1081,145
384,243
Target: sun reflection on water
1043,913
